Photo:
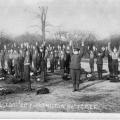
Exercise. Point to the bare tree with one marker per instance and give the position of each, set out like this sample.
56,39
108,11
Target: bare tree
42,15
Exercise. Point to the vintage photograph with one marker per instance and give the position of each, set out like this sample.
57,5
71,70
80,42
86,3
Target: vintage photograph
60,56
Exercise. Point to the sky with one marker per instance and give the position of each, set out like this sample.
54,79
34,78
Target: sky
99,16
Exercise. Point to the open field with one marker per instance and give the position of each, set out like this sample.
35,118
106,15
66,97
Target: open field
93,96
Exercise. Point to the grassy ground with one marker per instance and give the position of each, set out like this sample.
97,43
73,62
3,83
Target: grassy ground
93,96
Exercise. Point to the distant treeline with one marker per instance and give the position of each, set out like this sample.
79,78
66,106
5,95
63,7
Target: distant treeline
32,39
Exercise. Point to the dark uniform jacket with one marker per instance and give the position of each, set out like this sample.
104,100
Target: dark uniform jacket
68,59
109,57
76,59
100,57
43,61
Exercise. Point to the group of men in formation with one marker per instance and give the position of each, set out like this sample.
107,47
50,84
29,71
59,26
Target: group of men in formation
25,58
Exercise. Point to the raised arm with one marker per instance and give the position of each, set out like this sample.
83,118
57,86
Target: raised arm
119,50
103,52
82,50
71,50
109,48
88,50
44,48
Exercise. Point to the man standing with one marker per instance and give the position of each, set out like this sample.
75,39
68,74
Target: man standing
3,59
21,64
91,53
16,63
9,62
52,61
109,62
27,69
43,64
115,55
75,65
62,63
100,55
67,61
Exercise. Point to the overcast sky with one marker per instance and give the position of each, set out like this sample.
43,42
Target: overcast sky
99,16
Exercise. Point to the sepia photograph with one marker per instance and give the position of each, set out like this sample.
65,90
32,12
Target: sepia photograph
60,56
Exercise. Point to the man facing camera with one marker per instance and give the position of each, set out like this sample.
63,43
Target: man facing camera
75,65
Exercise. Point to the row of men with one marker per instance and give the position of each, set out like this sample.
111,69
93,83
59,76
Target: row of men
77,53
36,58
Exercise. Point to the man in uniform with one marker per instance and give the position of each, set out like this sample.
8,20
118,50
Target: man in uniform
16,63
109,62
75,65
52,61
100,55
67,61
115,54
27,69
43,64
3,59
56,59
35,55
62,63
91,53
21,65
9,62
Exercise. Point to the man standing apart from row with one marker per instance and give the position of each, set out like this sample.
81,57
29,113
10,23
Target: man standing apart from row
75,65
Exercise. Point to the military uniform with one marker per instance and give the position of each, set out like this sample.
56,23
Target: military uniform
100,55
62,63
52,61
75,67
43,65
35,62
21,66
56,60
67,62
3,59
91,60
114,56
110,64
10,64
27,69
16,64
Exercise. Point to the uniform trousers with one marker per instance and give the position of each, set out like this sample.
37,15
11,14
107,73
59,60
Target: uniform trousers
27,75
115,66
99,69
110,68
75,75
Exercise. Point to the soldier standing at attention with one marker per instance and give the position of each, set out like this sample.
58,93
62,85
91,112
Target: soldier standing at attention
115,54
75,65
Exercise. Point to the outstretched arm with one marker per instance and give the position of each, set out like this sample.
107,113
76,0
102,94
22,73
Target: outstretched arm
82,50
71,50
44,48
103,53
109,48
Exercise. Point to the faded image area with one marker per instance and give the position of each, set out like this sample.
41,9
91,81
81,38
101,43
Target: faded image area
60,56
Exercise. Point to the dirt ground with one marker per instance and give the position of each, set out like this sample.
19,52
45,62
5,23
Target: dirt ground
93,96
